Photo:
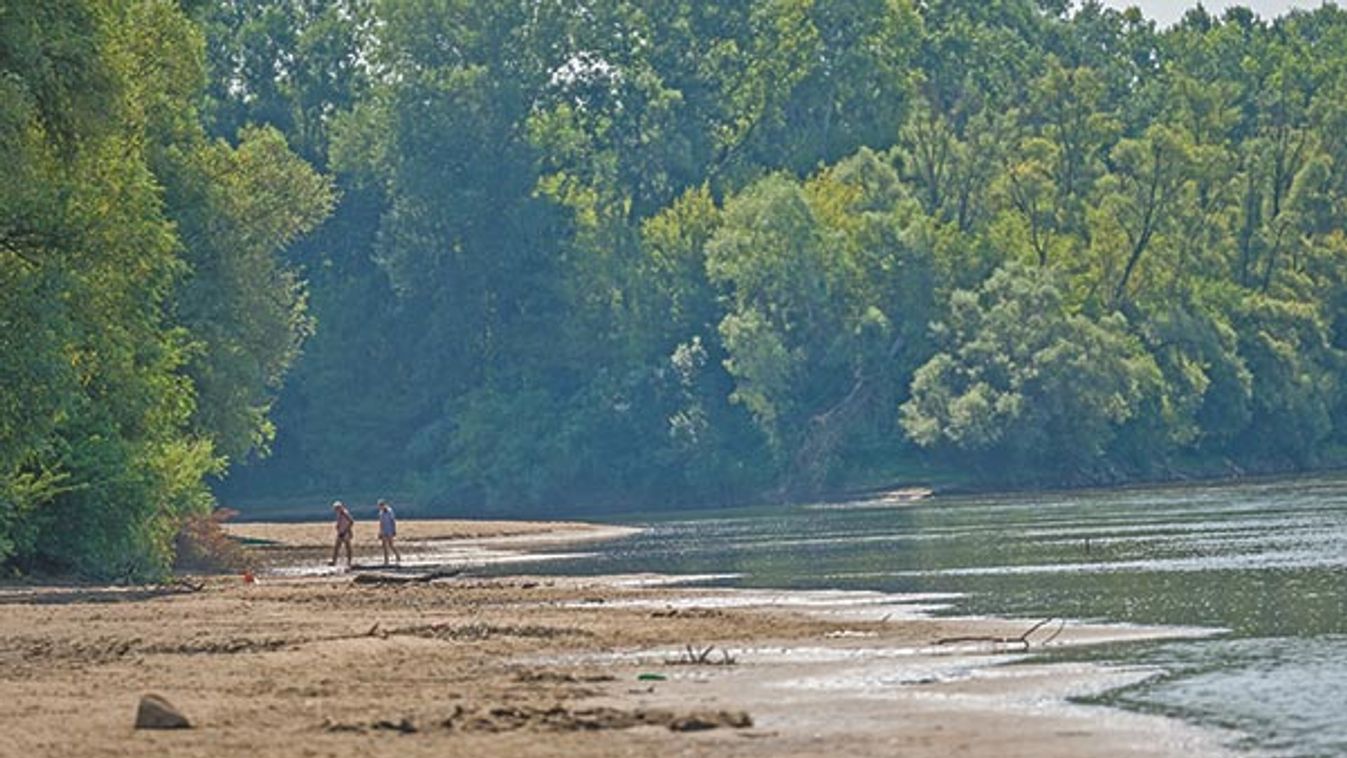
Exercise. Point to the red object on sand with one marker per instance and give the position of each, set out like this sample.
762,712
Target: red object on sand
248,577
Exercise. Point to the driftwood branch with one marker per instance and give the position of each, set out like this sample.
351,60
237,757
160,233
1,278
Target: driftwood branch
175,587
383,578
701,657
1022,640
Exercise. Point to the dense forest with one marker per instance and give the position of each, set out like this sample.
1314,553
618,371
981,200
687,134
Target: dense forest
526,255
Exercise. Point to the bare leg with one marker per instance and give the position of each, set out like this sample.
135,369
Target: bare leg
348,550
384,541
335,547
396,554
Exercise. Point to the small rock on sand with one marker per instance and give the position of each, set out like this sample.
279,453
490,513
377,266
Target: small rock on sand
157,713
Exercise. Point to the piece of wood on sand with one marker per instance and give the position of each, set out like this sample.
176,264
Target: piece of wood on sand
390,577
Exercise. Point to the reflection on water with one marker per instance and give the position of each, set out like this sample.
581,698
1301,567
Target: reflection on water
1266,561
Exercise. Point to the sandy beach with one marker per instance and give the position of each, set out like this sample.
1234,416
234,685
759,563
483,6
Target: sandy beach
304,662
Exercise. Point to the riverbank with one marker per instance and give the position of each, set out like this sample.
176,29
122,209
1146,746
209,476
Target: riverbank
302,663
296,549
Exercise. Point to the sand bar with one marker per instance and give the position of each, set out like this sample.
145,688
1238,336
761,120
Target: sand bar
300,664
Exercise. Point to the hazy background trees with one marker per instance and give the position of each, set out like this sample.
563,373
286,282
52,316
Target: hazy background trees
625,254
526,256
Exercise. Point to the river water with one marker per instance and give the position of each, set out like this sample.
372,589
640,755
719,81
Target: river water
1265,561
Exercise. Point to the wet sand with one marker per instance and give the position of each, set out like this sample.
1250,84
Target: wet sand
304,663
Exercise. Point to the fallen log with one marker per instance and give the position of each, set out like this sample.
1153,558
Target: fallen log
376,577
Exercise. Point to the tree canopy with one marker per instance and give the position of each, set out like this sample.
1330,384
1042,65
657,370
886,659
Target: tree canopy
640,253
145,322
523,256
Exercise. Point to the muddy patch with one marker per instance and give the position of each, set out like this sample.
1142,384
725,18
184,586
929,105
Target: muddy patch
28,652
688,613
22,653
481,631
230,646
555,718
560,677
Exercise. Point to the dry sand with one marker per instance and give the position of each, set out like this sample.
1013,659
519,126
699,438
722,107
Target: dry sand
303,665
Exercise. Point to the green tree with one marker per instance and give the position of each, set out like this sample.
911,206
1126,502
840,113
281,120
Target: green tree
235,210
1021,380
102,449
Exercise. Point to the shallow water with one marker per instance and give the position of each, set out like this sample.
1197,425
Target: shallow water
1266,561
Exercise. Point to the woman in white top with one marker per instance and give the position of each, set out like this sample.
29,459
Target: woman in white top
388,529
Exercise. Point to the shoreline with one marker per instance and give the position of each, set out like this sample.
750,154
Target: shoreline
303,549
550,666
1217,475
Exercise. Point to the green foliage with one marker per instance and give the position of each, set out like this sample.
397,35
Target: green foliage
101,450
288,64
826,304
235,208
1022,379
1295,376
629,252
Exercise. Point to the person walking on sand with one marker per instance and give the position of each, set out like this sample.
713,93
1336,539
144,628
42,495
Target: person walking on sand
388,529
345,525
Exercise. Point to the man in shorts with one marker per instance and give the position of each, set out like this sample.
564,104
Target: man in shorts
388,529
345,525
